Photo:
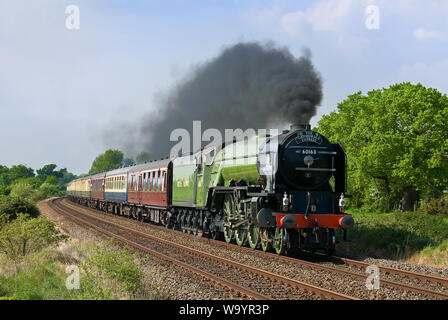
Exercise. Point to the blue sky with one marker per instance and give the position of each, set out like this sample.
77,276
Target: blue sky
61,89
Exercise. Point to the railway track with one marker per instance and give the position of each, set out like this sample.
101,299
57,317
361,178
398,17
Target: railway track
243,279
361,266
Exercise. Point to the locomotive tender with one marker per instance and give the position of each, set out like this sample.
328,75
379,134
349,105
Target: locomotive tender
280,192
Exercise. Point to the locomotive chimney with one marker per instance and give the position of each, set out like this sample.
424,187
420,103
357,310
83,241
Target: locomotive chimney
301,127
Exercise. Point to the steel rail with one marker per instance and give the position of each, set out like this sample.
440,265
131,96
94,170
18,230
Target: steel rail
275,277
222,282
361,265
399,272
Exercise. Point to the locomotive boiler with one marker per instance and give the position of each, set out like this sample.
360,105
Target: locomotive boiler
275,192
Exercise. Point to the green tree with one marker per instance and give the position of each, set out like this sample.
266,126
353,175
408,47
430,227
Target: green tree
127,162
45,171
52,180
48,190
111,159
23,191
12,205
4,179
396,141
32,181
142,157
66,176
20,171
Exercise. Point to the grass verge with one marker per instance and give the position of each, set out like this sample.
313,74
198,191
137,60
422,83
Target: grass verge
105,272
412,236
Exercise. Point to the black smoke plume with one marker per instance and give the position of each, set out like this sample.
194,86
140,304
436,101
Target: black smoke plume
248,85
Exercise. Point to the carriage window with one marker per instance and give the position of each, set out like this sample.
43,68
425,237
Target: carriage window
163,181
147,181
159,179
154,181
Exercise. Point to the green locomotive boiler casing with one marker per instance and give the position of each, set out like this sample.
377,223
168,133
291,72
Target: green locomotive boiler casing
283,192
194,175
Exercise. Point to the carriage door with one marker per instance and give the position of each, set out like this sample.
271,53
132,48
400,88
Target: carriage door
209,174
140,187
198,174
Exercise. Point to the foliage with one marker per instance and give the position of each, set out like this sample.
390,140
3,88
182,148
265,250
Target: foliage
437,254
436,205
110,160
22,191
51,180
26,235
11,206
396,141
34,182
127,162
110,272
58,177
46,171
395,234
39,281
43,276
4,179
48,190
21,175
20,171
142,157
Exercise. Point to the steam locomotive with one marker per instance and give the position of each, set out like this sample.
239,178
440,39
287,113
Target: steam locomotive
275,192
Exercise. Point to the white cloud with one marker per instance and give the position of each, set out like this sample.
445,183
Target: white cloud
329,15
329,20
265,16
324,16
292,22
422,34
428,74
